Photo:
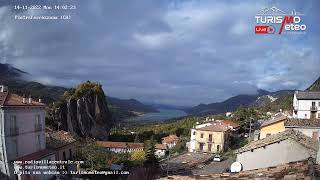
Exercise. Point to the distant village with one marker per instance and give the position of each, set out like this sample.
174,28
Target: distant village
282,141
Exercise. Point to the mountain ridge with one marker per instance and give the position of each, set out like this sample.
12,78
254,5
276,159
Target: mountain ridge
15,79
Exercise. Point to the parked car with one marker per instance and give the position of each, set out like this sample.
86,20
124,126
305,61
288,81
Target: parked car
217,158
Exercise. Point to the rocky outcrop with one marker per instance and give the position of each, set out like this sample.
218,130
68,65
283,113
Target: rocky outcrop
85,114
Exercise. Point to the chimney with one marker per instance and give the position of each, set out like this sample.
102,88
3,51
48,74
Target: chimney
40,100
30,100
3,88
24,99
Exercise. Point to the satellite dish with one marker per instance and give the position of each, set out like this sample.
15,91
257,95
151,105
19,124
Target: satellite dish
236,167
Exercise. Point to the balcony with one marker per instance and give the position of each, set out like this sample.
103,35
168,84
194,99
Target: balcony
14,131
313,108
38,127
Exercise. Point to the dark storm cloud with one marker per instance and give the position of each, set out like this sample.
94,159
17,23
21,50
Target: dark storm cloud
177,52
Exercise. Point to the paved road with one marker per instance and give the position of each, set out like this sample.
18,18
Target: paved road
214,167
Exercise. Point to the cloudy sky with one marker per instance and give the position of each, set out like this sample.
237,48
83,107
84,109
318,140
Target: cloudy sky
172,52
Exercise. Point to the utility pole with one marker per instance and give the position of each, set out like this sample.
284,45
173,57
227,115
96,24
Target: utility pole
250,129
168,164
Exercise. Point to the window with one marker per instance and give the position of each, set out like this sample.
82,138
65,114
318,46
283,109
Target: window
38,119
13,125
194,133
201,146
218,148
70,153
305,115
13,120
209,147
318,115
38,125
313,103
210,137
319,104
38,141
201,135
15,147
64,155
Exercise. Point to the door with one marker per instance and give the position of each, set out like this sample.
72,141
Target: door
201,146
313,115
209,147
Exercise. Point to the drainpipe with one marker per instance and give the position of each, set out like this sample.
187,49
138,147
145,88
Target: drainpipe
318,155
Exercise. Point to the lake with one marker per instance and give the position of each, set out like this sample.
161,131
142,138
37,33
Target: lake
163,114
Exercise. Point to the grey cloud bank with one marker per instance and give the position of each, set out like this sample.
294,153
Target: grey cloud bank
172,52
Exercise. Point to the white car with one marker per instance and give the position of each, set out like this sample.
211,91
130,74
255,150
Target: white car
217,158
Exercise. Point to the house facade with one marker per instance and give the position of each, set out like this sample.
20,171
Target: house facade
284,147
22,123
160,150
62,143
306,105
170,140
273,125
121,147
211,137
309,127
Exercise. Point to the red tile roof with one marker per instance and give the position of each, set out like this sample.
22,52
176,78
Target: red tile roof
274,119
169,139
10,99
123,145
231,123
57,139
215,127
35,156
161,146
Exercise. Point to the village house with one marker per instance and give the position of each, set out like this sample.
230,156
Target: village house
211,137
309,127
160,150
283,147
170,140
306,105
22,123
121,147
273,125
62,143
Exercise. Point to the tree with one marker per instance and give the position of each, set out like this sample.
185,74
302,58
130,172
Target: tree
151,159
136,138
243,115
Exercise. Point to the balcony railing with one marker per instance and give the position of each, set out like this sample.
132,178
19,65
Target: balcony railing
314,108
38,127
14,131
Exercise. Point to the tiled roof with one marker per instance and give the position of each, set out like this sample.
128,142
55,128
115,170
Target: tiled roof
161,146
170,138
10,99
215,127
287,134
306,169
59,139
302,123
231,123
35,156
308,95
123,145
274,119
